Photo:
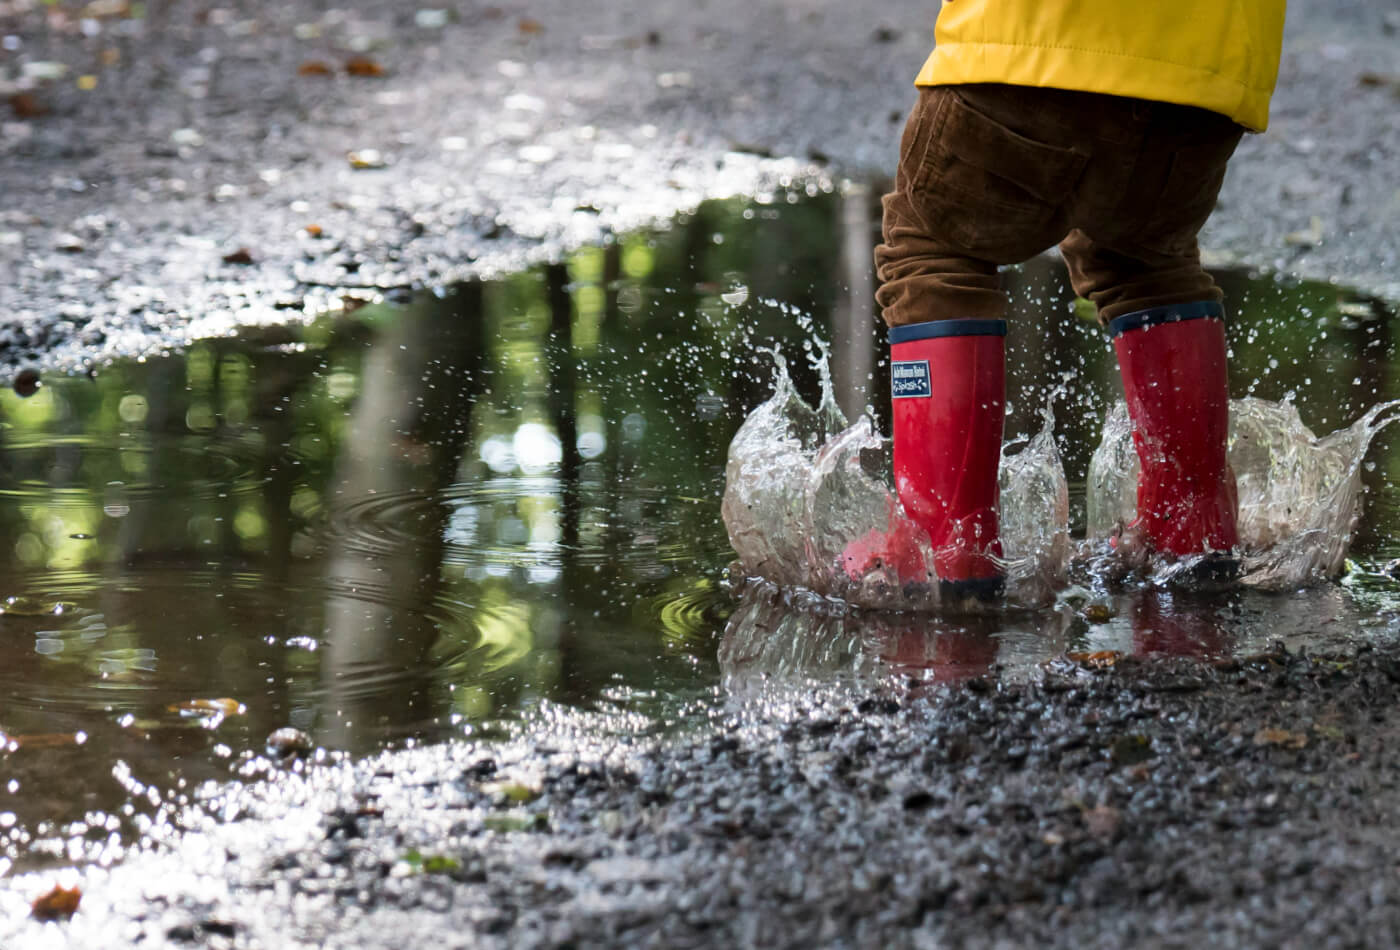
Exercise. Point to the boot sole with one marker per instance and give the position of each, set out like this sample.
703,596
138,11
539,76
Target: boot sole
984,589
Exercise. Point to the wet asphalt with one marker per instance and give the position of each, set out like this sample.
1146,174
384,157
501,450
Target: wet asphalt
207,180
174,176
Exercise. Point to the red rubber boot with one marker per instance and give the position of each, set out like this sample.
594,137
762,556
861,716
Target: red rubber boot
1174,377
948,383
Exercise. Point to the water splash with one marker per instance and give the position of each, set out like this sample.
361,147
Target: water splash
808,503
1299,495
804,490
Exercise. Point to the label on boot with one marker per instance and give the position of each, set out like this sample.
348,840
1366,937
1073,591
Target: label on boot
909,378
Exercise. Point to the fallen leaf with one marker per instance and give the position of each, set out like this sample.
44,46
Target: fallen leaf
517,792
516,821
366,158
363,67
242,257
315,67
1307,237
25,105
313,230
1098,613
58,904
431,863
106,8
1098,660
205,707
1375,80
529,26
1281,738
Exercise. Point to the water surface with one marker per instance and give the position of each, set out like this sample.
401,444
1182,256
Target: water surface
405,523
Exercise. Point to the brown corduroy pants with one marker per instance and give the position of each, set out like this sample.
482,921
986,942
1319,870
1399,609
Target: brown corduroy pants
994,174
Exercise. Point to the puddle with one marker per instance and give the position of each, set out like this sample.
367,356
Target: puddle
402,524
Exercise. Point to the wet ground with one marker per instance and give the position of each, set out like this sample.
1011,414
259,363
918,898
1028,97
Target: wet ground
175,169
385,525
492,516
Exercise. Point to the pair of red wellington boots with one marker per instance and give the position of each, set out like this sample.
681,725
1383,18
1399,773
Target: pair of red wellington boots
948,388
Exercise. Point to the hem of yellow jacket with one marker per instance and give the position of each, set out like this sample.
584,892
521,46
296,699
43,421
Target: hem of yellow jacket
1114,74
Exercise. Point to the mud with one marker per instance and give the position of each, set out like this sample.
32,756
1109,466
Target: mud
173,176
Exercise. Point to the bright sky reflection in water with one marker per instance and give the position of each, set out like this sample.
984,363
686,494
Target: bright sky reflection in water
415,522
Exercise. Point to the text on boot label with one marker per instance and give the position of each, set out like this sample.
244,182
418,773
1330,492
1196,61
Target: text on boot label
909,378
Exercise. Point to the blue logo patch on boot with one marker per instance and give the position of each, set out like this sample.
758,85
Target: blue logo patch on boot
909,378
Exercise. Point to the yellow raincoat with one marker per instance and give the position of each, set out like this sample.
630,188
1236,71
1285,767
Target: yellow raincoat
1221,55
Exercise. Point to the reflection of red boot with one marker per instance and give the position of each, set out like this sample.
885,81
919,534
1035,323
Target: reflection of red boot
1174,377
1175,627
942,655
948,381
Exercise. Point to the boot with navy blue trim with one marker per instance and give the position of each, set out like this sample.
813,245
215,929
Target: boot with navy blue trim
948,381
1173,363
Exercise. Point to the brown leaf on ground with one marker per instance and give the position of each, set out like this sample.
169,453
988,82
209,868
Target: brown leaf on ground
58,904
25,105
313,230
1281,738
242,257
529,26
1375,80
1097,613
1098,660
363,67
315,67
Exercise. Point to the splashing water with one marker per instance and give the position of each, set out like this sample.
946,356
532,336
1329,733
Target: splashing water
1299,495
804,489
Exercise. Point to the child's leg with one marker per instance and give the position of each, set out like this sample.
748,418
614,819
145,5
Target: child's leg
970,194
1144,273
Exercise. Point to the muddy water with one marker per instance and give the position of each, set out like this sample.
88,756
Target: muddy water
404,523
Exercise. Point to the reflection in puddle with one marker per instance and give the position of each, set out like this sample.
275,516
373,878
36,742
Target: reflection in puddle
411,523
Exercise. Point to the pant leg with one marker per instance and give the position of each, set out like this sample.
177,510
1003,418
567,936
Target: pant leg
1120,282
923,274
970,194
1140,250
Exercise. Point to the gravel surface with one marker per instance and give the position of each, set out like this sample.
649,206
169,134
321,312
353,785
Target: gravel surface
195,169
1155,803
